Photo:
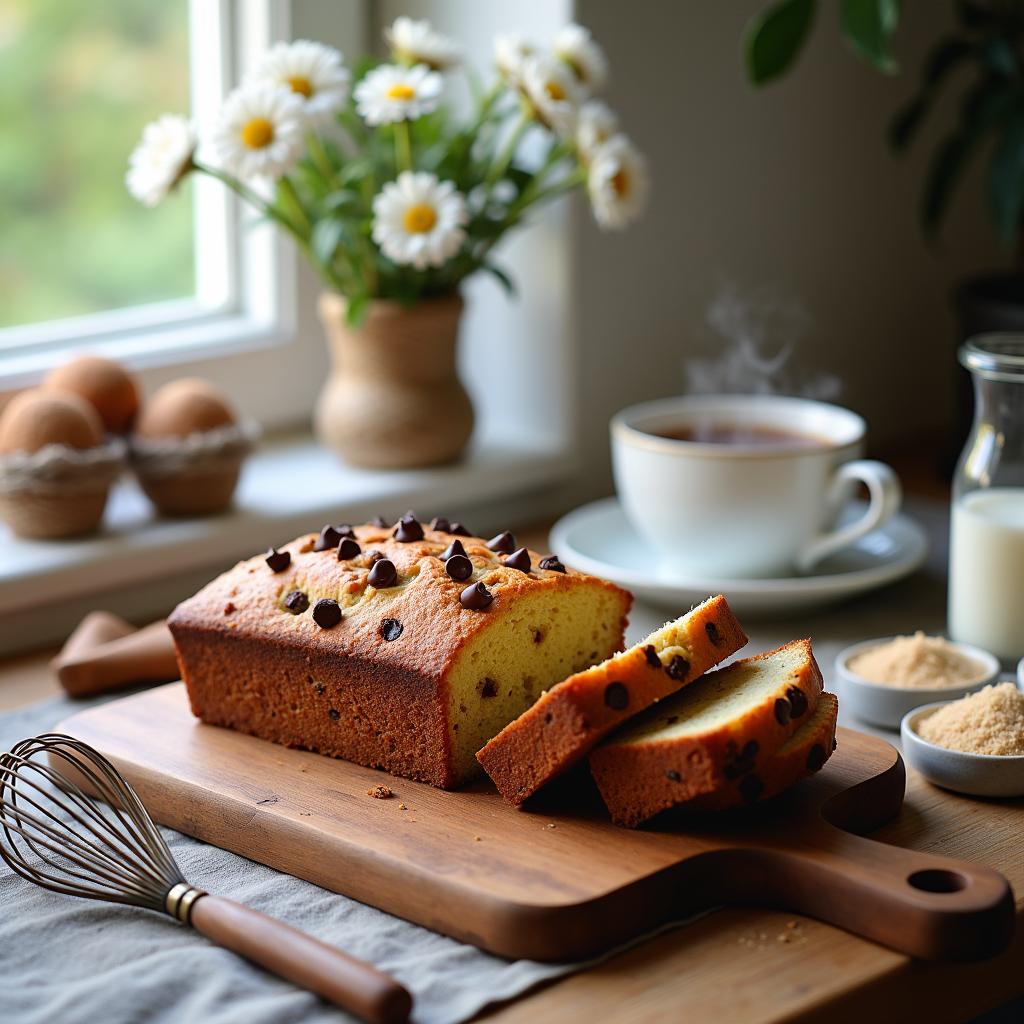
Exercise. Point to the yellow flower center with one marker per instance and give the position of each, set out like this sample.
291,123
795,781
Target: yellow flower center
300,84
420,218
555,91
620,182
401,91
258,133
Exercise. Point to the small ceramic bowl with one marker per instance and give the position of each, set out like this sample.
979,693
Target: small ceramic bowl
886,705
974,774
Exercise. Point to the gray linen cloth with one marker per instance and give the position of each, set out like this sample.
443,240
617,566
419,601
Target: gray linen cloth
65,960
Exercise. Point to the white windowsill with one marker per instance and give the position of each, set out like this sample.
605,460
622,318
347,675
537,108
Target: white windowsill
289,486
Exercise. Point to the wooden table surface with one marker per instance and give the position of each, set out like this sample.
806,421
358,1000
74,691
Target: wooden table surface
754,966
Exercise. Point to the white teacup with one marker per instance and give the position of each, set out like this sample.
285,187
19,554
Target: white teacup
750,485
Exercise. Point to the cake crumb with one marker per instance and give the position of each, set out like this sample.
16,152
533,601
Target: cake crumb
551,824
988,722
402,807
380,793
476,839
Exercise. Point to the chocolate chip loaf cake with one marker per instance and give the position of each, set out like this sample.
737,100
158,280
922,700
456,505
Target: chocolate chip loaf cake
573,716
400,647
707,736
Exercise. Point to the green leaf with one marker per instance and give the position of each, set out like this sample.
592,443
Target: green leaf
999,56
868,26
944,171
942,60
503,279
775,36
1006,180
355,314
327,236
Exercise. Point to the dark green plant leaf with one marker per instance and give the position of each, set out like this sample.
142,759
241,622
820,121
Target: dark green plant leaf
358,305
775,36
868,26
999,56
327,236
1006,180
943,57
904,125
944,171
503,279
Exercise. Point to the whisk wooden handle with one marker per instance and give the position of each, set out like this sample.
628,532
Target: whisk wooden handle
313,965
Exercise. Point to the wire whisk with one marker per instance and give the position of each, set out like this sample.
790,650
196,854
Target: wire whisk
71,823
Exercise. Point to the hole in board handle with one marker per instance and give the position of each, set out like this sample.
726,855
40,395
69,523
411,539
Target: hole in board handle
937,880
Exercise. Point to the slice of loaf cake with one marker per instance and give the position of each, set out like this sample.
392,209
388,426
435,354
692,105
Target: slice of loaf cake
403,648
708,735
804,753
571,718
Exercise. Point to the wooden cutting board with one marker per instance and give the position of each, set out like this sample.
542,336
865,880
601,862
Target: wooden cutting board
557,882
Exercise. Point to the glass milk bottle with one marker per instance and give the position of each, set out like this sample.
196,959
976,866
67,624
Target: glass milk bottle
986,559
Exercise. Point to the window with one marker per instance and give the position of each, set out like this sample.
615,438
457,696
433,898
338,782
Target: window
82,265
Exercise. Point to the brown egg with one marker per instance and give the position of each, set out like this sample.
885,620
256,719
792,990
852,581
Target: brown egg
107,386
183,407
36,418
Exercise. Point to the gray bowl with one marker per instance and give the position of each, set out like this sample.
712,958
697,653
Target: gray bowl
886,705
974,774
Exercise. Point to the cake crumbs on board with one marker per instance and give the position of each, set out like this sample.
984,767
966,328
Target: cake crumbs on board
990,721
380,792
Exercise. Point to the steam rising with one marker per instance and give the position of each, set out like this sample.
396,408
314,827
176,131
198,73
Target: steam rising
762,329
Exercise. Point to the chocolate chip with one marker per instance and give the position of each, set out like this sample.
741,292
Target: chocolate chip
455,548
408,529
650,654
380,521
815,758
326,613
519,559
489,688
278,560
373,555
334,714
798,700
344,530
616,696
673,776
750,750
834,744
391,629
296,602
459,529
347,549
318,688
737,763
476,597
230,608
712,631
383,574
678,667
783,710
459,567
329,538
441,524
751,787
552,564
504,543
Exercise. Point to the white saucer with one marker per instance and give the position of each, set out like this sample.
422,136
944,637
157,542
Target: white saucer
599,539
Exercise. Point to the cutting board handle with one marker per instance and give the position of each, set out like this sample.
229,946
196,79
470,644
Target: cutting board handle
919,903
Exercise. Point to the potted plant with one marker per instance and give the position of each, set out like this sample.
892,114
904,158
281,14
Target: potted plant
395,200
988,42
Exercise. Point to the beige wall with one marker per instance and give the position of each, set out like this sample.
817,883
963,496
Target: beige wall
792,186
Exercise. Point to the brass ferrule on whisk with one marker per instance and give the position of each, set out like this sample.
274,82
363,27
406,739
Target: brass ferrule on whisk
180,900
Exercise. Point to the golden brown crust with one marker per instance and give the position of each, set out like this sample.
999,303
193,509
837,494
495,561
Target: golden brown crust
252,665
572,717
639,779
803,754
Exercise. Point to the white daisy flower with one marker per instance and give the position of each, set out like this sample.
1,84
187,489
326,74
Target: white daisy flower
260,133
161,159
553,92
314,72
617,182
392,93
415,42
419,220
596,125
511,52
575,45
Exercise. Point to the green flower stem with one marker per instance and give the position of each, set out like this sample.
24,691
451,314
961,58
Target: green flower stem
403,146
319,157
501,165
286,190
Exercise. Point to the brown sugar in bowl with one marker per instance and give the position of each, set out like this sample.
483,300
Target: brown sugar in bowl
188,449
107,386
56,469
